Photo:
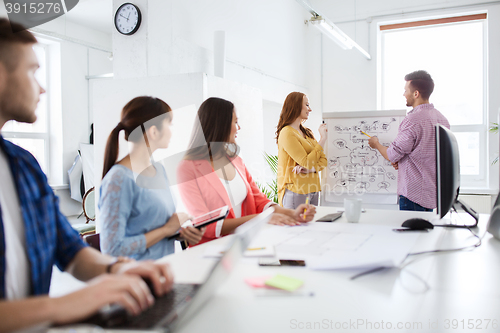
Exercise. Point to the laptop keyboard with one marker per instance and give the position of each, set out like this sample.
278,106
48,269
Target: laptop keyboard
162,312
180,294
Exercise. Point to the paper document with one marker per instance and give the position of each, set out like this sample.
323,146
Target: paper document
339,246
214,251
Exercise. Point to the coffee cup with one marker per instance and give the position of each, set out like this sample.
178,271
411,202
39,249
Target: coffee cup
352,208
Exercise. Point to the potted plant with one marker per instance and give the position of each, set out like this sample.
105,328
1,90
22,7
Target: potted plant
271,189
494,130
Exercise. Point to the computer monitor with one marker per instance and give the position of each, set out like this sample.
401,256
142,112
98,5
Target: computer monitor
448,176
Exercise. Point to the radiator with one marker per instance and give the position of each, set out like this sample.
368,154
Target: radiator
479,202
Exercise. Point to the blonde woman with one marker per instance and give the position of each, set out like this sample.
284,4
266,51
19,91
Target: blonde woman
300,156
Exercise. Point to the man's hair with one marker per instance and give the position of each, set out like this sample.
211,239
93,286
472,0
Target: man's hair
8,40
421,81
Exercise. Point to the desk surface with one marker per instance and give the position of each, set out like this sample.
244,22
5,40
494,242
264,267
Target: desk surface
430,293
445,292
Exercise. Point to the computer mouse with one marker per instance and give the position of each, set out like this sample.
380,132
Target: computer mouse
417,224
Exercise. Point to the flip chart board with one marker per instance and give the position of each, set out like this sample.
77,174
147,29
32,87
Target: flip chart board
354,169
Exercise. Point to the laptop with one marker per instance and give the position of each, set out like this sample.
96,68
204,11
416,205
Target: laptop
184,300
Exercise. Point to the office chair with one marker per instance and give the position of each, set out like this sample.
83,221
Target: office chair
93,240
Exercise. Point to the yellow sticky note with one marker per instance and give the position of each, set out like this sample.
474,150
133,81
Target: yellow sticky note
284,282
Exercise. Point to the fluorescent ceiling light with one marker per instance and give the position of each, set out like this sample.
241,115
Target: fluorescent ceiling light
332,32
338,36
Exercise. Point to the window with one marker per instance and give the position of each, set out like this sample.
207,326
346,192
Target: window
453,51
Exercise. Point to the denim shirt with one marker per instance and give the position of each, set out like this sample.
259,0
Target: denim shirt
50,239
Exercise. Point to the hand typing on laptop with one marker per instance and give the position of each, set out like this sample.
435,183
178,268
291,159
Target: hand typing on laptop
159,275
125,286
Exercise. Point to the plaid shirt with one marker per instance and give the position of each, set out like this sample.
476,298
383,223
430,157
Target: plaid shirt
414,148
50,239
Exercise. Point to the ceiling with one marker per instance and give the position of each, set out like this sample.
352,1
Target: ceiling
98,14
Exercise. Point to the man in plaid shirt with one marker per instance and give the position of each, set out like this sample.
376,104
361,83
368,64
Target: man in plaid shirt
34,235
413,151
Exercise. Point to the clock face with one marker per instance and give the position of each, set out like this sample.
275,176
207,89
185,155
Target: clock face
127,19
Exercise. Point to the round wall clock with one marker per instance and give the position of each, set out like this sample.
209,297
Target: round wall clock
127,19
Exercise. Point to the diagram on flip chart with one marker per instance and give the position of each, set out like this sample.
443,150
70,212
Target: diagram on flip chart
354,168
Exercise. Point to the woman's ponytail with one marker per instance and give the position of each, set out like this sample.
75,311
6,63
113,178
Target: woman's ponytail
141,111
112,148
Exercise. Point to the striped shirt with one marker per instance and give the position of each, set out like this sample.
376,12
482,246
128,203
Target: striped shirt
50,239
414,148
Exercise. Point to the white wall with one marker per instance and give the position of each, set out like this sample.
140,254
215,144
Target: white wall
264,42
77,62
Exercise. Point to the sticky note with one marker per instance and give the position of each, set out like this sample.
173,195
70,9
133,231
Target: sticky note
284,282
258,282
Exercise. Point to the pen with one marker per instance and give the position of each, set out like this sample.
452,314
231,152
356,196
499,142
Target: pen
277,293
307,203
255,248
365,133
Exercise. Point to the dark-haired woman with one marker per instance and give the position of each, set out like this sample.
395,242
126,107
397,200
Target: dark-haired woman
213,175
300,156
137,209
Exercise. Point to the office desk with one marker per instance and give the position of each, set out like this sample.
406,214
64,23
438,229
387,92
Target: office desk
430,293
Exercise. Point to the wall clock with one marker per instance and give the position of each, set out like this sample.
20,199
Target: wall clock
128,19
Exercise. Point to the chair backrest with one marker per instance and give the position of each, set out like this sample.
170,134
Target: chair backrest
184,244
93,240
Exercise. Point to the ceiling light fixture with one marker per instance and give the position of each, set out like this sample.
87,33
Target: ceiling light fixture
332,32
338,36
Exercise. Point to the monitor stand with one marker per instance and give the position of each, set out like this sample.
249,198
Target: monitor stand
464,206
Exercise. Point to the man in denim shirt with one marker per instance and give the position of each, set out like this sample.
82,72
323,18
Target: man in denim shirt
34,235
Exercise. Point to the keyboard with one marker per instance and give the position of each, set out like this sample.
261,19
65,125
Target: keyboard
161,314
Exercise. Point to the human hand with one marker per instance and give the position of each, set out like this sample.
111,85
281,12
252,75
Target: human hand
129,291
373,142
298,213
282,219
299,169
395,165
323,130
192,235
174,223
158,274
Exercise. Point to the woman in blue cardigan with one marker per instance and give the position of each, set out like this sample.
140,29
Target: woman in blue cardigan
137,209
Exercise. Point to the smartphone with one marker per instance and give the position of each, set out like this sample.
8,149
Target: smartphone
330,217
280,262
292,263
